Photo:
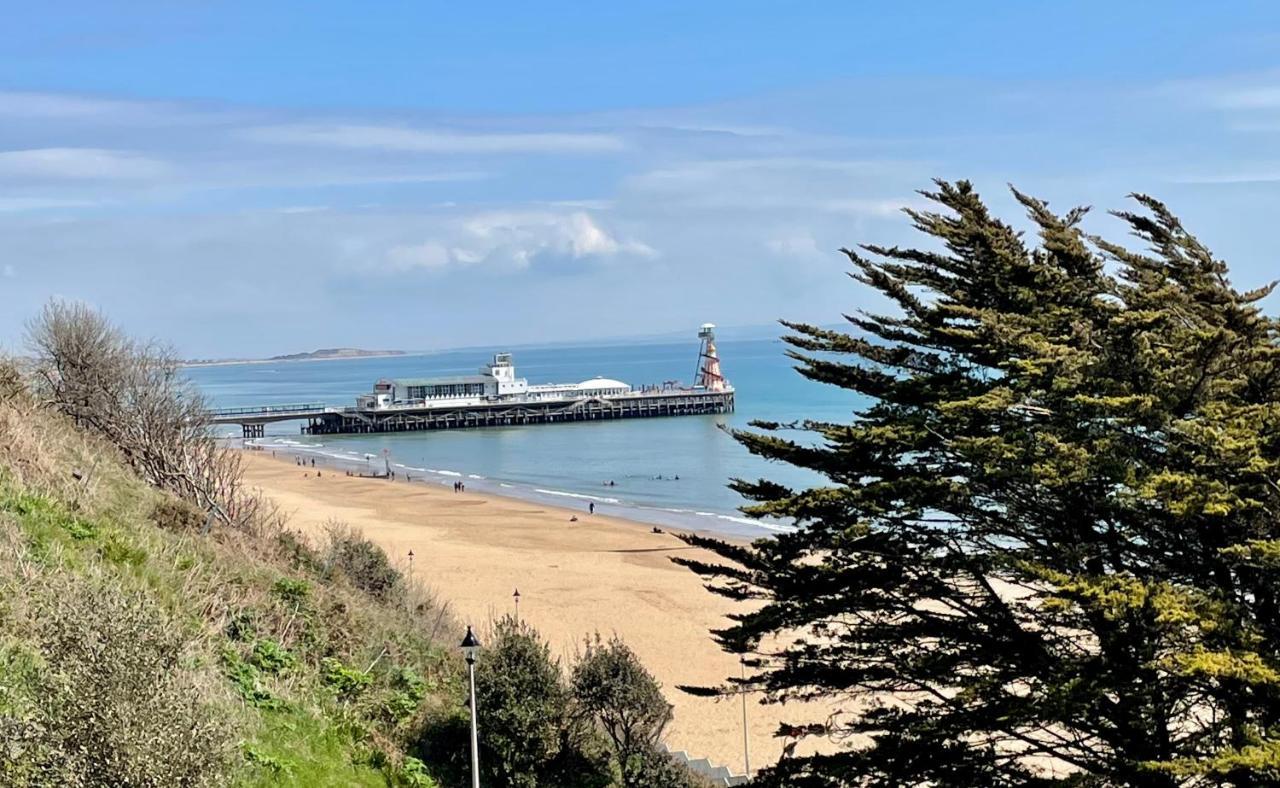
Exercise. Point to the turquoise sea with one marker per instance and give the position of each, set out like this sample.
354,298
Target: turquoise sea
667,471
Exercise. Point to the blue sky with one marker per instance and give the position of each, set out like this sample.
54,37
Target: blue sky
257,178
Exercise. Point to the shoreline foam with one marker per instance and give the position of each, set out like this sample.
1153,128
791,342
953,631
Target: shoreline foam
720,524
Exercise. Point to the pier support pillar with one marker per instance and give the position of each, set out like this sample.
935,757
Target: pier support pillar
253,430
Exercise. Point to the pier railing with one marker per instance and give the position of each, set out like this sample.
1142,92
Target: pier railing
265,409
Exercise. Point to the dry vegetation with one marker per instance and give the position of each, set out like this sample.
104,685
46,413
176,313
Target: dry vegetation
135,396
158,624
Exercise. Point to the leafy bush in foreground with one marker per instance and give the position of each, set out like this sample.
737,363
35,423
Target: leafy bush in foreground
611,686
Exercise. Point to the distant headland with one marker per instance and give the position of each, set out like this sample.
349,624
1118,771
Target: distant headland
323,354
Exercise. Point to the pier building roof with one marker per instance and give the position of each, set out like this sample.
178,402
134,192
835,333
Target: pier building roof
443,381
603,383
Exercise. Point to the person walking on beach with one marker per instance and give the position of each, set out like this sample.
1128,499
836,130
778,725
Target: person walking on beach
591,507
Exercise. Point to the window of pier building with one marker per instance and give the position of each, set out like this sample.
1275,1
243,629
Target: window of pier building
446,390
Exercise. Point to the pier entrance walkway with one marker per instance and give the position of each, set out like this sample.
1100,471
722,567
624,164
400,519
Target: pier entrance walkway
254,419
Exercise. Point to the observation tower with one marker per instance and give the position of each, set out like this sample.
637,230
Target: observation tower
708,376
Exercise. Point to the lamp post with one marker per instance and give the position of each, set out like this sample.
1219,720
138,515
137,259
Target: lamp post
516,597
746,739
470,645
410,565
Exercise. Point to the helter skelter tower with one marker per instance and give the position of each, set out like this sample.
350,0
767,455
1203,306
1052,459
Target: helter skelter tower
708,376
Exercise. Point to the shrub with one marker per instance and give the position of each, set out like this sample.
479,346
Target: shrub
653,768
116,705
270,657
290,590
175,514
529,734
408,690
362,562
242,626
624,698
345,681
244,677
413,774
297,552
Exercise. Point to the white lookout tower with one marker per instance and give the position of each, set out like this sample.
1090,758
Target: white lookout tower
708,376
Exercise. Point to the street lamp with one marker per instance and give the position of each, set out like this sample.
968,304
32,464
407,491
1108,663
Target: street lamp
746,738
471,645
411,566
516,597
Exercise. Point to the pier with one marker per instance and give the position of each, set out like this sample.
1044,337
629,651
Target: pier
638,406
496,398
322,420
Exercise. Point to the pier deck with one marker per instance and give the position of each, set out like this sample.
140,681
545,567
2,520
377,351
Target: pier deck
321,420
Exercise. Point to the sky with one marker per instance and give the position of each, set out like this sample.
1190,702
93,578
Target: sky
248,179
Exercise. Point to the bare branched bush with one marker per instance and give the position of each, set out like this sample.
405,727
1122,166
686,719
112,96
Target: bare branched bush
135,395
12,384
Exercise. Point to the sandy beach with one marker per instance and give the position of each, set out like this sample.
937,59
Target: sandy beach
597,574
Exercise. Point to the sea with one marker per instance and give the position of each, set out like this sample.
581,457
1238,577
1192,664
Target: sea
671,472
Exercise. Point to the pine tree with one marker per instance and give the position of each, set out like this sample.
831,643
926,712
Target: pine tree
1047,553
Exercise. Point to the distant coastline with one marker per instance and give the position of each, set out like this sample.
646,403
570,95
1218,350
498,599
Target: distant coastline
769,332
323,354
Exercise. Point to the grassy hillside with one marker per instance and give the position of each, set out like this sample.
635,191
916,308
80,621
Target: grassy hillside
138,650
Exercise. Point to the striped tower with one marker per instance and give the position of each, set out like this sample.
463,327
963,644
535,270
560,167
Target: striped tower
708,376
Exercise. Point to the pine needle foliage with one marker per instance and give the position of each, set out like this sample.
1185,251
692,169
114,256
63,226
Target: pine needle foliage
1047,553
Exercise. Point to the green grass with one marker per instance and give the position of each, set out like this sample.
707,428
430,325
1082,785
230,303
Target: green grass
324,684
295,748
44,522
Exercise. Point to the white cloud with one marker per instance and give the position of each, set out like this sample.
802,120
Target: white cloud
1244,93
701,172
16,204
515,239
880,207
1253,97
779,186
79,163
529,233
400,138
55,105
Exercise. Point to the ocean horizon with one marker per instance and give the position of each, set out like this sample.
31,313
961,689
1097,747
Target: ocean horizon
671,471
